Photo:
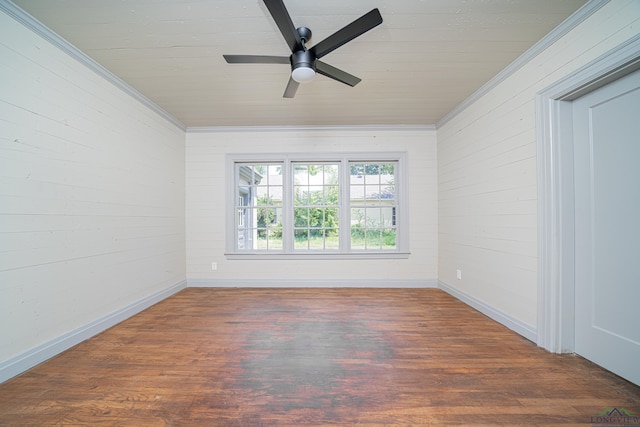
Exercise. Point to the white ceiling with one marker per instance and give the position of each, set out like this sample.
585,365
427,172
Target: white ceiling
423,60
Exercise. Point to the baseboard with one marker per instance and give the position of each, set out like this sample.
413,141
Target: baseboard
27,360
312,283
515,325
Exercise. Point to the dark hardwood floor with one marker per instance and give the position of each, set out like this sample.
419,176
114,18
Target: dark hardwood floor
302,357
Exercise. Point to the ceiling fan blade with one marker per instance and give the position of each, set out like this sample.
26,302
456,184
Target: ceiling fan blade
292,88
348,33
336,74
256,59
283,21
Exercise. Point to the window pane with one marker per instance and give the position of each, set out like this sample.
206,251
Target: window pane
301,174
275,170
316,241
357,238
331,218
387,217
262,195
371,177
274,237
372,194
301,217
301,196
261,242
316,195
268,217
301,239
331,174
331,195
372,216
388,192
275,195
275,243
373,239
243,191
332,239
356,189
389,239
357,218
356,169
315,217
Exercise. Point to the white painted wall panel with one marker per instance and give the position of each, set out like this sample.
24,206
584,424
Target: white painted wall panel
91,195
487,171
205,195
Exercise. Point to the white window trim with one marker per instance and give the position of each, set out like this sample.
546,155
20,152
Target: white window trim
402,236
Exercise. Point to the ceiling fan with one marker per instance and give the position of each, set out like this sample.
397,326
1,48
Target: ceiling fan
305,63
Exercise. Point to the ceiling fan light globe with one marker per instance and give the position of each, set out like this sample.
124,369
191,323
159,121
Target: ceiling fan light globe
303,74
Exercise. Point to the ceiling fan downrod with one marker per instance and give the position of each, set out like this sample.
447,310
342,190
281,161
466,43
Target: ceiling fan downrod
305,35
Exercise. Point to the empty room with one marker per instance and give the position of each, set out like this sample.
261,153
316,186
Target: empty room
294,213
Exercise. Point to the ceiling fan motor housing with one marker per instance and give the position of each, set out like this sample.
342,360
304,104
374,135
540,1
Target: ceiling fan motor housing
303,66
303,58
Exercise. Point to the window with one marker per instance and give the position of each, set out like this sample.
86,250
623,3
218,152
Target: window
373,205
317,205
259,208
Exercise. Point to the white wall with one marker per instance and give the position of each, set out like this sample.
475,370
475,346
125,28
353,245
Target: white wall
91,196
205,199
487,171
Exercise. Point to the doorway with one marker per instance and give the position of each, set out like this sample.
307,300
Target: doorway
561,203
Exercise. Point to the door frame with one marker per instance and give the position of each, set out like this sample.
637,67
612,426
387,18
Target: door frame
554,135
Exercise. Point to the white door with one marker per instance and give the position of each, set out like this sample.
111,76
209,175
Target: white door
606,126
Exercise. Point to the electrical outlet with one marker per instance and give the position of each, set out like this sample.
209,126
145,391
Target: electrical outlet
459,274
214,266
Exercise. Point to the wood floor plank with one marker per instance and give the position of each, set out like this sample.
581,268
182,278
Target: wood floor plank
311,357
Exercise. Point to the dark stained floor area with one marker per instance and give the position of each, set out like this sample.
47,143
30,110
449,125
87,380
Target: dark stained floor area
313,357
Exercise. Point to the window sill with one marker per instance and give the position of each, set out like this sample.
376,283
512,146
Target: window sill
317,256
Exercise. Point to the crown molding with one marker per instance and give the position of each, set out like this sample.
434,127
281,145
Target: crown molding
50,36
561,30
364,128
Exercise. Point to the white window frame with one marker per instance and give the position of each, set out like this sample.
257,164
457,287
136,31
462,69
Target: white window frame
344,159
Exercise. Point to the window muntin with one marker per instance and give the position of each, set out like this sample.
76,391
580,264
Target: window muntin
318,205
